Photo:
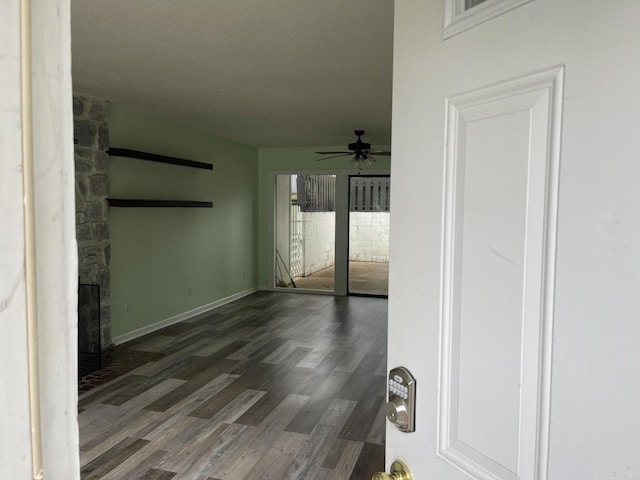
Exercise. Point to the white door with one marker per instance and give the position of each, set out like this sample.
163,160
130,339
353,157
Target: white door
514,294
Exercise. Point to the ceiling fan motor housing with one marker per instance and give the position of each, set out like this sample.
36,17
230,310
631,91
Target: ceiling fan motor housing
359,145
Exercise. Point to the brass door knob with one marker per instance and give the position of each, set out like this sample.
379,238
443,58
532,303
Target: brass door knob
382,476
399,471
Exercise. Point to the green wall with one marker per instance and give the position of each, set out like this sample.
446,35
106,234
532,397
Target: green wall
297,160
159,254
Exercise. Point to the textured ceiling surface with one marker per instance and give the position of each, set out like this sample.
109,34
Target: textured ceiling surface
267,73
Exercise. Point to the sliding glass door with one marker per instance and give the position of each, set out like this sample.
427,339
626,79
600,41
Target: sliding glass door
369,235
305,227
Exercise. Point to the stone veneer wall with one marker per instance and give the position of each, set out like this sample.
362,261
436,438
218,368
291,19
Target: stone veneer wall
91,134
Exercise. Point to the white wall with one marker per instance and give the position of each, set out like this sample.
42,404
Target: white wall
318,240
369,236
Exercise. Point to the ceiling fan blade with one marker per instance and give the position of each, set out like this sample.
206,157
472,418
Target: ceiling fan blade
328,153
335,156
375,151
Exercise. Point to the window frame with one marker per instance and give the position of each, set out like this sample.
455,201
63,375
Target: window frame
457,18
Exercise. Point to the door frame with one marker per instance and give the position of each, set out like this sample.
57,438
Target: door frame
42,256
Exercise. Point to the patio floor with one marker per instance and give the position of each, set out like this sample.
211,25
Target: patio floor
364,277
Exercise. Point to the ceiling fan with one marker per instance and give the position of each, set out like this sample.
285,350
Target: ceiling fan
361,151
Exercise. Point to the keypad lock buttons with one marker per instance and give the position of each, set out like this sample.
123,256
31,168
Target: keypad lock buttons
400,408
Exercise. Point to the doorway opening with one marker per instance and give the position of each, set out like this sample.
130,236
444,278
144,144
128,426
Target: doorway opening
369,235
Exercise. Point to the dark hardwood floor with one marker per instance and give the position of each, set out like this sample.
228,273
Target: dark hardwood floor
272,386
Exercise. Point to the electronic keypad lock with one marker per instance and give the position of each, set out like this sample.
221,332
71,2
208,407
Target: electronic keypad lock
401,407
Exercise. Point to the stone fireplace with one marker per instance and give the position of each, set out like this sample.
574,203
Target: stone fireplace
91,138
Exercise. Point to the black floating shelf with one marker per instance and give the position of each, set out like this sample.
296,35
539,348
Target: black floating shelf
127,203
152,157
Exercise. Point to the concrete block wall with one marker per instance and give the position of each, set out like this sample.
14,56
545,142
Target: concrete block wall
318,241
368,233
369,236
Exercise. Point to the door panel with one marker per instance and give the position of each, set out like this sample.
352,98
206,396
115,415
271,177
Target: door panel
514,261
499,224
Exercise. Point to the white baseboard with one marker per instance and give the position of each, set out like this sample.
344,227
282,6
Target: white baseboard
181,317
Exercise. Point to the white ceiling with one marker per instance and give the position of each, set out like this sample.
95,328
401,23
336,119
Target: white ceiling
267,73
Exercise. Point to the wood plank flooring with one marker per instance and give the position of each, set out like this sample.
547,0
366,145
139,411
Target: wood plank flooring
272,386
